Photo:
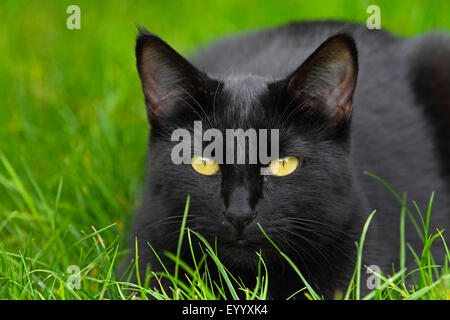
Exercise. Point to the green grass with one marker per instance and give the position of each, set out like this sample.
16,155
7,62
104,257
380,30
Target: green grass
73,134
24,275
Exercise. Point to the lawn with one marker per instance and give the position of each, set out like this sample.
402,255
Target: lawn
73,128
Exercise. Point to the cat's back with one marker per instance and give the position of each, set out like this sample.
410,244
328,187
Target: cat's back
276,52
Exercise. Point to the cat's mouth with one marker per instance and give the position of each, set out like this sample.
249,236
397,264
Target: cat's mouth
241,243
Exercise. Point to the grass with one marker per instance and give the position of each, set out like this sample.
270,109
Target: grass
434,280
24,274
73,136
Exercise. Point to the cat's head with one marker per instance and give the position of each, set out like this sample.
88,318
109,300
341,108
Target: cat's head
307,207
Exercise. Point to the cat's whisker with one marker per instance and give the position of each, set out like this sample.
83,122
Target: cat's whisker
192,108
201,108
214,100
177,217
311,222
298,107
282,240
316,246
326,234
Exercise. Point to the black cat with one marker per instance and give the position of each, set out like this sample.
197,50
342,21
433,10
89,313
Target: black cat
345,99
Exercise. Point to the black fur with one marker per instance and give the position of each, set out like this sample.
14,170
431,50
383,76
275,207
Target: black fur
399,130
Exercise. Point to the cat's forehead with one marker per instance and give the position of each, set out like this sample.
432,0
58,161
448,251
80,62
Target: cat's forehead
244,88
242,97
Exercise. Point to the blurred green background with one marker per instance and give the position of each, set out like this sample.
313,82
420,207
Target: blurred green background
73,128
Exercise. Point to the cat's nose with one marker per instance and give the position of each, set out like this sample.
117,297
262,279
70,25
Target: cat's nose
238,211
240,218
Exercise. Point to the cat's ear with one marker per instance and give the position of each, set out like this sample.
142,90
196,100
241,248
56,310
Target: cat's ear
327,79
168,79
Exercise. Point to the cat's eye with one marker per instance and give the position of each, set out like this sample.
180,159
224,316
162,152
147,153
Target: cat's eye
283,166
205,166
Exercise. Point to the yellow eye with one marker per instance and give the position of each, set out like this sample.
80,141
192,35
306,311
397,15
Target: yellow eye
283,166
205,166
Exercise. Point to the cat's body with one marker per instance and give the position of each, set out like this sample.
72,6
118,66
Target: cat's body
399,131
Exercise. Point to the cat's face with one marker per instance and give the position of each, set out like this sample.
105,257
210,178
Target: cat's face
304,211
